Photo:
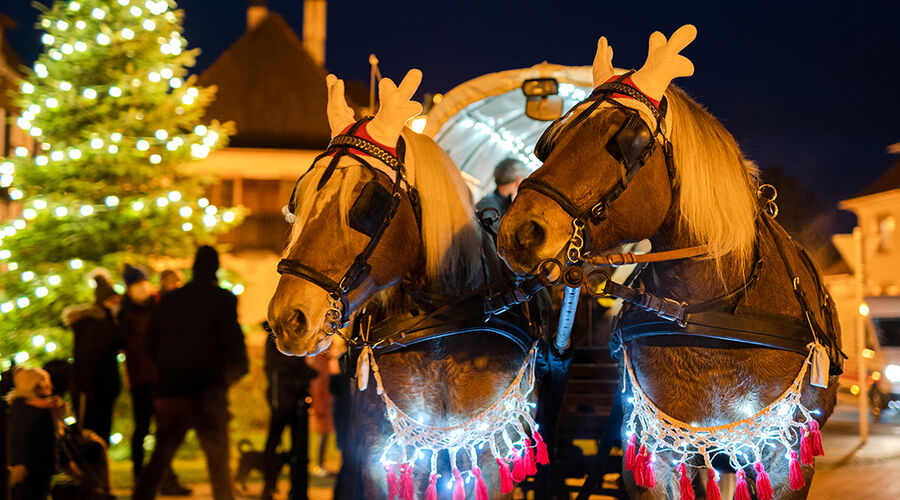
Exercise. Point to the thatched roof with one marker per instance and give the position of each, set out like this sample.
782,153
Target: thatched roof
271,88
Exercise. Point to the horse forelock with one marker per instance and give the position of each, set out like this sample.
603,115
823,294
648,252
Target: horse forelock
310,201
716,184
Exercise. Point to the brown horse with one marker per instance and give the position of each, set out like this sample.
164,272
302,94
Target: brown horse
431,251
715,334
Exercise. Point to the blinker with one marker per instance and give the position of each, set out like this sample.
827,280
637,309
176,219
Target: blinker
370,208
632,142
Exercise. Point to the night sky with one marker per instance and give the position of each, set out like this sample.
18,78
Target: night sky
810,88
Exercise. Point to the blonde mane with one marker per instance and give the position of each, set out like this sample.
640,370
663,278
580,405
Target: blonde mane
716,185
451,239
451,236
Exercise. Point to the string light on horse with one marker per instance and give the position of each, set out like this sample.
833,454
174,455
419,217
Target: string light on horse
384,234
728,344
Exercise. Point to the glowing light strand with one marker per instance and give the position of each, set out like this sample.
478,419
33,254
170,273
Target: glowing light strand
506,428
785,421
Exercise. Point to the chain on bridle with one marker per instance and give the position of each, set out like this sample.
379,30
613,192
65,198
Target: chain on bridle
371,214
632,145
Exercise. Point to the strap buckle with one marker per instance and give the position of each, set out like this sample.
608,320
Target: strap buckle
664,307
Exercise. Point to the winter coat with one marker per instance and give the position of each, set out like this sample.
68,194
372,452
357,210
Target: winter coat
496,201
134,319
32,438
289,377
98,340
195,341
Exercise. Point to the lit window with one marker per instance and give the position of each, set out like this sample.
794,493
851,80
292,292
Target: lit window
886,226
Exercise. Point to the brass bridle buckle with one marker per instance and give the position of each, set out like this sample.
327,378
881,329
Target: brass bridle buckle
576,242
333,315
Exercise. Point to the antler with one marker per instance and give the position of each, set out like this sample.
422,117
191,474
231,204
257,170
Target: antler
395,108
603,68
340,115
664,63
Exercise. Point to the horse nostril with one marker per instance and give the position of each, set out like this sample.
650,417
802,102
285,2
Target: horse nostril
298,321
530,235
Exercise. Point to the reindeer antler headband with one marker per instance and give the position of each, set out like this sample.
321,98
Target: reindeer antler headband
664,63
396,107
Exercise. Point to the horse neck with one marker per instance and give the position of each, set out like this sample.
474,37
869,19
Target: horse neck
690,280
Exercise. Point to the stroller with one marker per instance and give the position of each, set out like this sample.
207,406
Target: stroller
85,460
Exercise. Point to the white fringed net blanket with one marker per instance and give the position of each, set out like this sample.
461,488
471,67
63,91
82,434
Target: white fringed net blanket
503,427
785,422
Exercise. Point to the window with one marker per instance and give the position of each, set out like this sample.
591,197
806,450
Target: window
888,330
886,226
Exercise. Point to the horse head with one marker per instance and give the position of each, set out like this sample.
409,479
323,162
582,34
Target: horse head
368,218
607,164
339,255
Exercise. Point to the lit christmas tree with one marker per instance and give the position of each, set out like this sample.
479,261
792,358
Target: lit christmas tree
114,117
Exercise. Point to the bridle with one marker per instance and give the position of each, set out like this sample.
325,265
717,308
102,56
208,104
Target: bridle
371,214
632,146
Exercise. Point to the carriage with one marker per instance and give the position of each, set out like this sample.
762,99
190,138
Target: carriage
727,344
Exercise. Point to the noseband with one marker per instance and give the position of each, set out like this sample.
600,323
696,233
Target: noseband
364,217
632,146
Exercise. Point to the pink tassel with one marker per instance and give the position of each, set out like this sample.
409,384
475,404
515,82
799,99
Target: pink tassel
530,466
520,471
806,453
797,481
506,482
712,486
763,485
817,449
629,452
542,457
459,486
687,491
391,481
481,492
431,492
649,473
407,488
743,492
638,465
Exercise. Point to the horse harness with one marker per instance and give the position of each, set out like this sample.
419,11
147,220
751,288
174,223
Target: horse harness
724,318
632,145
371,214
646,314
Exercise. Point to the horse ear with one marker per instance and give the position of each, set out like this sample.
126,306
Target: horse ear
603,68
664,63
340,115
395,108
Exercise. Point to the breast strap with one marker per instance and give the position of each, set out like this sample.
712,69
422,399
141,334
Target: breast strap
402,331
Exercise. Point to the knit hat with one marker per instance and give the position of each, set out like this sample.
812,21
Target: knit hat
103,290
133,274
26,381
206,263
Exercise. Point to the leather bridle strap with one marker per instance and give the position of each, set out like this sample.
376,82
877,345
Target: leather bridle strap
624,259
554,194
359,270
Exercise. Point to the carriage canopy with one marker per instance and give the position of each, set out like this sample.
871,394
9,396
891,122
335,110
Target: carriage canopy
483,120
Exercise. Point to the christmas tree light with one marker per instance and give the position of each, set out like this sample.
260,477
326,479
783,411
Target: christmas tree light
115,115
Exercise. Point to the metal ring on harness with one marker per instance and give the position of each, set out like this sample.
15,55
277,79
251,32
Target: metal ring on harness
549,272
595,284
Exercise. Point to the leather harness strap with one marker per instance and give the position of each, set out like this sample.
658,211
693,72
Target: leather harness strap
721,319
624,259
